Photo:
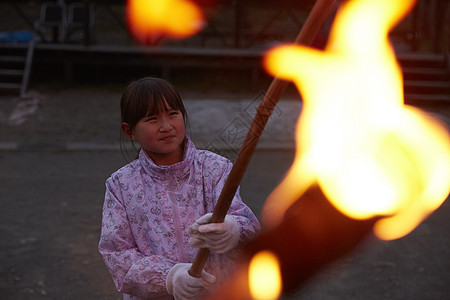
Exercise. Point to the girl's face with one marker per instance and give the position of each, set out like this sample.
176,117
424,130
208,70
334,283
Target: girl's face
160,135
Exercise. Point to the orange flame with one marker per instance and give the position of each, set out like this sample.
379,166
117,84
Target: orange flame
264,276
371,154
151,19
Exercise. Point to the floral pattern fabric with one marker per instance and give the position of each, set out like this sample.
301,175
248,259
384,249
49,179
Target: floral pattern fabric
146,215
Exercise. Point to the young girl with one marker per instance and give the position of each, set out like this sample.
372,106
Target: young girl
157,207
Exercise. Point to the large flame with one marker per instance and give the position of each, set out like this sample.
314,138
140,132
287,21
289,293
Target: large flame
264,276
152,19
371,154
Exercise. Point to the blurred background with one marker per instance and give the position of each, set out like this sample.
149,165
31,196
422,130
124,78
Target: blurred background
92,43
63,67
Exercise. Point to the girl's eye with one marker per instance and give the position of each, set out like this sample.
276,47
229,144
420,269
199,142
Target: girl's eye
174,113
149,119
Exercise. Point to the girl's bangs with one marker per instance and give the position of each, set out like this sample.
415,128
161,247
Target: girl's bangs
159,102
155,106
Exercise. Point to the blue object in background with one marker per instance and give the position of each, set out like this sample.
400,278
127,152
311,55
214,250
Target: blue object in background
16,36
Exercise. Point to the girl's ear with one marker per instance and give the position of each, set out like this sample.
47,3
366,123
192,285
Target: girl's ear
126,128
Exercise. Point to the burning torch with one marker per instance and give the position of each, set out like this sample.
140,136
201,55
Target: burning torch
365,162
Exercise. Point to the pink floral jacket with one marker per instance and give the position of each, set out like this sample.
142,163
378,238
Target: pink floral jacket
146,215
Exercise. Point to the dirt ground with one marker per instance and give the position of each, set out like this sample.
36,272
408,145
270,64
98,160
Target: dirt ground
51,197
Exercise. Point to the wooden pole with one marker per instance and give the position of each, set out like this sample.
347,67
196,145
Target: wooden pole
309,30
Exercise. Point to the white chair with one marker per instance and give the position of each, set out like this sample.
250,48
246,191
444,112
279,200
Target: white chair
53,16
80,17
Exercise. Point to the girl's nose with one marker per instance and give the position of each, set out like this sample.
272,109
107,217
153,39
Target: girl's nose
164,125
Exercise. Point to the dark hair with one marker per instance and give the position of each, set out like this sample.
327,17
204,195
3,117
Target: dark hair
146,97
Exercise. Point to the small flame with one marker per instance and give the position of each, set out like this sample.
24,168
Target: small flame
265,276
371,154
152,19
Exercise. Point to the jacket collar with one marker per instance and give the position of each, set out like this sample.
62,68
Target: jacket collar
175,170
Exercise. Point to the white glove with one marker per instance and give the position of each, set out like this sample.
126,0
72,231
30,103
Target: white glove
217,237
183,286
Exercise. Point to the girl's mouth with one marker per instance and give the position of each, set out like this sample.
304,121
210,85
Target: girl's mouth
167,138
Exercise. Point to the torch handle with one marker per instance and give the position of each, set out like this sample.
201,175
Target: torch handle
309,30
